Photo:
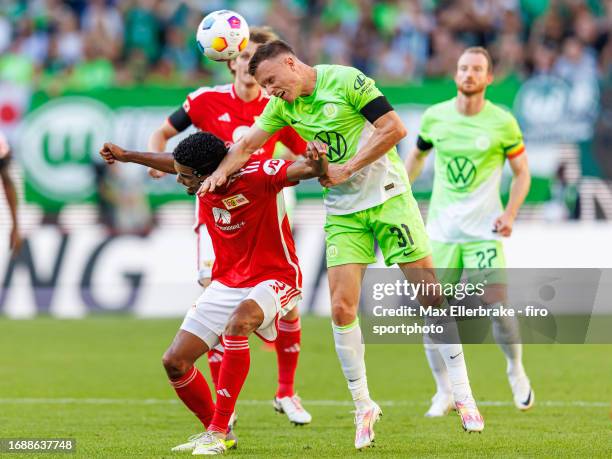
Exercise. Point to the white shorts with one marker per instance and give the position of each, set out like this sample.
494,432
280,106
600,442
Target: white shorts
206,254
208,318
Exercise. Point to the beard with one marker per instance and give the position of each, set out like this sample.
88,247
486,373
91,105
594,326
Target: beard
472,90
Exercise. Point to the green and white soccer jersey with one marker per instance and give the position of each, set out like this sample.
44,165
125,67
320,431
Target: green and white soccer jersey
332,114
470,154
375,204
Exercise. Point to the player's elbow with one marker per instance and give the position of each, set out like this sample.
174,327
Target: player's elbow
396,131
401,131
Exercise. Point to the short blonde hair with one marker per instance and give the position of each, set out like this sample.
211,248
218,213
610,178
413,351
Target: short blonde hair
484,52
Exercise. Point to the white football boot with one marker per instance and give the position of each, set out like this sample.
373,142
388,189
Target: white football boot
210,445
522,393
471,419
231,441
364,421
441,404
292,407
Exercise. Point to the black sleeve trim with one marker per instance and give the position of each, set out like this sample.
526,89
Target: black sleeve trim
423,144
376,108
180,120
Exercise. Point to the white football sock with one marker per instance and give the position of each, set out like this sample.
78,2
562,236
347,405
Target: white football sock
451,350
457,371
351,352
436,365
506,333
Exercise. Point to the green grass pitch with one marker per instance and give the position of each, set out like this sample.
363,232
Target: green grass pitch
101,382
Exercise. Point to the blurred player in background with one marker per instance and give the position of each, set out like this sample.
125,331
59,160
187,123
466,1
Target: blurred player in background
367,198
473,138
256,278
227,112
9,191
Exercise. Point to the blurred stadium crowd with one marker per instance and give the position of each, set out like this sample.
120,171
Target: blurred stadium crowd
88,44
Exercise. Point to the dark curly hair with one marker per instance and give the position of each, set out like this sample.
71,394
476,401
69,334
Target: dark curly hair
201,151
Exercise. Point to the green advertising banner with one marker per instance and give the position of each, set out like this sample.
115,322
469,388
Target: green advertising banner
61,136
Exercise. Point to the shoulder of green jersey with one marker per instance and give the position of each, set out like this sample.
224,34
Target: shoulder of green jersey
439,109
501,111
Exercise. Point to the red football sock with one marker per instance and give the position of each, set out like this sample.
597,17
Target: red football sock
234,370
287,355
193,390
214,362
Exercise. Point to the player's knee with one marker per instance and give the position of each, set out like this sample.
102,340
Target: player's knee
343,312
175,365
240,325
292,315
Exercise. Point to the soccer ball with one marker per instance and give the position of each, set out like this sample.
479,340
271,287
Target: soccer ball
222,35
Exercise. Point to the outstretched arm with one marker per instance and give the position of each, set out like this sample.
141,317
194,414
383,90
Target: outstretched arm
161,161
237,155
313,165
157,143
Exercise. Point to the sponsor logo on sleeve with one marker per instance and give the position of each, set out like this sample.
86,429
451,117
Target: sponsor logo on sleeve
272,166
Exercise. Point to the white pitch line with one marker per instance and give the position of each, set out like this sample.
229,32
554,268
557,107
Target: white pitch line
161,401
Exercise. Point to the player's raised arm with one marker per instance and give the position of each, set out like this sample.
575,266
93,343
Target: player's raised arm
313,165
157,143
237,155
160,161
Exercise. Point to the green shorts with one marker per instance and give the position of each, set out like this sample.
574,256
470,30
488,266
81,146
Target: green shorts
480,260
396,225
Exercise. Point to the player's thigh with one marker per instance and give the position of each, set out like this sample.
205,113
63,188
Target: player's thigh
345,290
485,263
398,227
448,261
348,239
209,316
275,299
206,256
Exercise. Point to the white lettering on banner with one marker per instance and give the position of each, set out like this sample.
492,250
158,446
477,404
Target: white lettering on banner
86,270
69,275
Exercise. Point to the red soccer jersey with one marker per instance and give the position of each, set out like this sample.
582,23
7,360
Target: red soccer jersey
249,227
221,112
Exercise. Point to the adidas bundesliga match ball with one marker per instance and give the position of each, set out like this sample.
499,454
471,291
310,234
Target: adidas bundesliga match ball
222,35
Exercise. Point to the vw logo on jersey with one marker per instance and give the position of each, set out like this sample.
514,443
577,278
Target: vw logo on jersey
461,172
222,216
336,145
483,142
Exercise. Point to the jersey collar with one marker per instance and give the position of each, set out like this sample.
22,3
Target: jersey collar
261,95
